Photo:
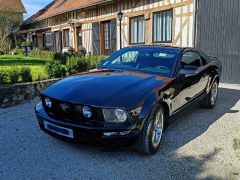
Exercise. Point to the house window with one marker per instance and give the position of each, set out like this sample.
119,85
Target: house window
162,26
66,37
137,30
107,35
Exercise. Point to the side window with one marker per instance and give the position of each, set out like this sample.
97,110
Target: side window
204,62
191,59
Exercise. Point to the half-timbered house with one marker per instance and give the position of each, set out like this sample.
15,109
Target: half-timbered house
93,25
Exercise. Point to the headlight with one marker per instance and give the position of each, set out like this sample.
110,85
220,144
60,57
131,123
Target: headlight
87,112
115,115
48,102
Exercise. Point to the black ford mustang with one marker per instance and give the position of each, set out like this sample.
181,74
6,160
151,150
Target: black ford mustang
134,94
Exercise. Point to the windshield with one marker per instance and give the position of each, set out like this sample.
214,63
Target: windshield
150,60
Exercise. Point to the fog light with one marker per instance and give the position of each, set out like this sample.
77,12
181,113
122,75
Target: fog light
87,112
110,133
116,133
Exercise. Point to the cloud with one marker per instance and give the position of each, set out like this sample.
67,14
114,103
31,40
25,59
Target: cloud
32,6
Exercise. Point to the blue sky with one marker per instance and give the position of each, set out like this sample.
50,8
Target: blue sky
32,6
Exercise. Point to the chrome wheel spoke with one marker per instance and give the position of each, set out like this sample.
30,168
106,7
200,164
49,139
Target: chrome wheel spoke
157,129
214,92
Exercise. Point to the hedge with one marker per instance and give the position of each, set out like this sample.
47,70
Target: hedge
46,55
14,75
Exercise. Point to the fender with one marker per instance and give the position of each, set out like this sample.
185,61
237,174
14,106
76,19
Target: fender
151,101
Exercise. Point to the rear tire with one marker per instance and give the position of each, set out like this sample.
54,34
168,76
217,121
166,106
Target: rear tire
210,100
151,135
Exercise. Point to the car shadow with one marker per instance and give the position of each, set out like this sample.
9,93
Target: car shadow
167,163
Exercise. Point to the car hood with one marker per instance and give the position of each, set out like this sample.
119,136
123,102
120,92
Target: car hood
120,89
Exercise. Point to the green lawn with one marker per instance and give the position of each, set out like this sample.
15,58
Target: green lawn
37,66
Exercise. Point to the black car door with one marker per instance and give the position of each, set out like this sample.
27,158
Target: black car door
189,87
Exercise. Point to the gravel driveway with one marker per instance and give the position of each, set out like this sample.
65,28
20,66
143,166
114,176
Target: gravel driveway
203,144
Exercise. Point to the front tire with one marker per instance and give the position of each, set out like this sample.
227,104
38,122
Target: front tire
211,99
151,134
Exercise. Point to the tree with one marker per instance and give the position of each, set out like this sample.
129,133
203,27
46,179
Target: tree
8,21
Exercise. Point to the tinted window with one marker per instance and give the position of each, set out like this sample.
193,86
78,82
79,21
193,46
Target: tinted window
191,59
151,60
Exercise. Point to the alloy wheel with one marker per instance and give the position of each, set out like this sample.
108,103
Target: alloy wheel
157,129
214,93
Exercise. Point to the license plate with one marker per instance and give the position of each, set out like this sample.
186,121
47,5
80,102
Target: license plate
58,129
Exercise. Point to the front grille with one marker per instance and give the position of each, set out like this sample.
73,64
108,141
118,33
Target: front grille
70,112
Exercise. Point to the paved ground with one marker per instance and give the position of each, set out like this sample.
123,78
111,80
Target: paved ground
203,144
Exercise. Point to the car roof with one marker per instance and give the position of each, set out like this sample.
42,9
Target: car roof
163,47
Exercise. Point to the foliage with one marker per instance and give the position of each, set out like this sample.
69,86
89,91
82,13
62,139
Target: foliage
46,55
18,68
79,63
3,76
94,61
26,74
61,57
17,51
76,63
27,43
14,74
7,23
55,69
49,55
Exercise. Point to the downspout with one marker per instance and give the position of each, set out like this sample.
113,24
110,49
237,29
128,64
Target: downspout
194,23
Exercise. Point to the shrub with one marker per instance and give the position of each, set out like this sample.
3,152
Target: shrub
94,61
61,57
79,63
18,51
3,76
13,74
55,69
26,74
76,63
40,76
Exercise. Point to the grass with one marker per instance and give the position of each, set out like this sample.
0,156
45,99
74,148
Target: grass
36,65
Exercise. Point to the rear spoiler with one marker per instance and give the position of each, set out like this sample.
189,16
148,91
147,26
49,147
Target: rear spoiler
213,57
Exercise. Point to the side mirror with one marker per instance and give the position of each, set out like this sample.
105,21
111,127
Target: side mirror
188,71
102,63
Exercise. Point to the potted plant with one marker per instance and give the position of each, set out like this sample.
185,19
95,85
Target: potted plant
82,50
27,47
24,47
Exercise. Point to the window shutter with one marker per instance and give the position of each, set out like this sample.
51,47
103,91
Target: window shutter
59,41
49,40
113,35
96,38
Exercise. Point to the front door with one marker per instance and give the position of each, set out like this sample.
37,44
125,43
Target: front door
192,86
109,37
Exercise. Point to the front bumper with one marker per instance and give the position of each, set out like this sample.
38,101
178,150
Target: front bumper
88,133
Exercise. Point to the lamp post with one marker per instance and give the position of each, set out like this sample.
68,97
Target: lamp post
120,15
